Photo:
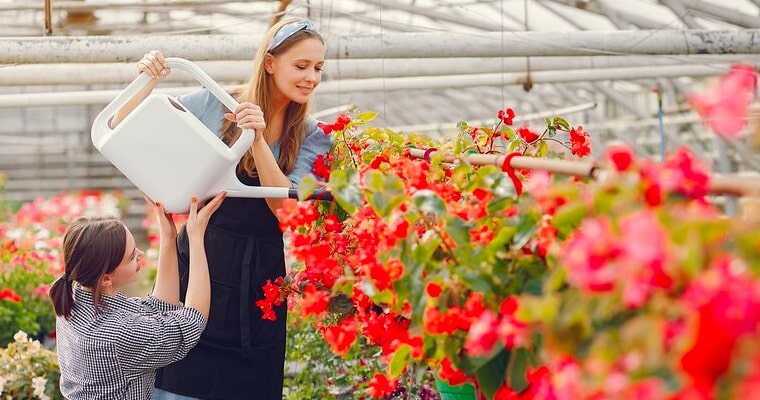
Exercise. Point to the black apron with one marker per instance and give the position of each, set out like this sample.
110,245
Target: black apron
240,355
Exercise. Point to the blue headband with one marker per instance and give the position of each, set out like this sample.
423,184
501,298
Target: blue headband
288,30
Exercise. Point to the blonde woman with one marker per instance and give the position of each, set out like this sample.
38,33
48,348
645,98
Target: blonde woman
241,356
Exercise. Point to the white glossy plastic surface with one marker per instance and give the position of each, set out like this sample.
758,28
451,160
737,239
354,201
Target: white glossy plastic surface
168,153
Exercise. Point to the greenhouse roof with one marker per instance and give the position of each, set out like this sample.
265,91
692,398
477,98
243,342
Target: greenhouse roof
623,69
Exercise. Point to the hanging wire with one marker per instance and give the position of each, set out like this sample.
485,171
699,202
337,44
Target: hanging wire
660,122
528,84
503,84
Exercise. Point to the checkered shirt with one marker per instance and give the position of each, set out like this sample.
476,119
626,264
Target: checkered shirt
114,354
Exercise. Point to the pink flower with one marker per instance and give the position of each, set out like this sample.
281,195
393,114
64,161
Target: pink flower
589,256
724,107
482,335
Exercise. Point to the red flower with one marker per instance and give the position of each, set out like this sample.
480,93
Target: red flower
315,301
449,373
294,214
506,116
620,156
579,142
341,337
482,335
433,289
10,295
381,386
527,135
322,166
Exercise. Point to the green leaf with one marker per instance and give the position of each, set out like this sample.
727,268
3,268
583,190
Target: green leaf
525,231
365,117
477,282
491,375
459,230
561,122
543,148
428,201
387,191
346,190
306,186
568,218
520,361
513,144
398,362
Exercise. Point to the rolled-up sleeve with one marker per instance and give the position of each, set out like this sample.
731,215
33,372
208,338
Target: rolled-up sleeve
156,340
316,143
159,305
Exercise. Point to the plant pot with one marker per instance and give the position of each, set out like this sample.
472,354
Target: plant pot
464,391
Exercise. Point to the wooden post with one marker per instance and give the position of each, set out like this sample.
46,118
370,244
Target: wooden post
48,18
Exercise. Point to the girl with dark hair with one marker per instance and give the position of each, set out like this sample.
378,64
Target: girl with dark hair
109,346
241,356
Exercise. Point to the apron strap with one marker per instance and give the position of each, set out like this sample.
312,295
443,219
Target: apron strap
245,284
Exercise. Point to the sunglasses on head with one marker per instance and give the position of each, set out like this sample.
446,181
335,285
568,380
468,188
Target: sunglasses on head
289,29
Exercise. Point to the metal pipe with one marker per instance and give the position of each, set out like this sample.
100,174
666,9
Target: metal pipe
238,71
94,5
395,84
732,184
397,45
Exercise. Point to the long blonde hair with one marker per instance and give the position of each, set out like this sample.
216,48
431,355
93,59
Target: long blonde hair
256,91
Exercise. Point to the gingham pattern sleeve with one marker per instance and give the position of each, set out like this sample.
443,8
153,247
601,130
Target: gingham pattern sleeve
155,340
156,304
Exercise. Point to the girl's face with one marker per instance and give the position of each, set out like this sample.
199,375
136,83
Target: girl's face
298,71
129,269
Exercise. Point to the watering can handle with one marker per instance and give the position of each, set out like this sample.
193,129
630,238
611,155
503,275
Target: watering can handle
101,121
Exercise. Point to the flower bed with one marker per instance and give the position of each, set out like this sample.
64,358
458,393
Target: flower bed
523,283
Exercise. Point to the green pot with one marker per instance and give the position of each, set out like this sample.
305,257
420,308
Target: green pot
464,391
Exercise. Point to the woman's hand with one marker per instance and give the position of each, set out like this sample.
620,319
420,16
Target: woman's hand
198,219
154,65
249,116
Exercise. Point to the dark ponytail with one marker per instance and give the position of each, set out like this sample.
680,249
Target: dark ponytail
62,296
92,247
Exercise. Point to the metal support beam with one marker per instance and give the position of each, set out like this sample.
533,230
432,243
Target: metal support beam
683,13
399,45
616,16
725,14
435,15
398,84
238,71
95,5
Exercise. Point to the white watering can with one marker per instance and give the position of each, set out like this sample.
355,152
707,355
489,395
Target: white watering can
169,154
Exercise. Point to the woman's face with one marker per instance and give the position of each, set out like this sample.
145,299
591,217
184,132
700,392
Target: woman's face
298,71
128,270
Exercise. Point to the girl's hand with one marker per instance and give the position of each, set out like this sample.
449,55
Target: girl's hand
166,226
249,116
198,219
154,65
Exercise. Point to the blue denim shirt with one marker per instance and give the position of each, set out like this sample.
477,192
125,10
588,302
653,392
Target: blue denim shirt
209,110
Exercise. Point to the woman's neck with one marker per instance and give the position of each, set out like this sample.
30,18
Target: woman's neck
276,122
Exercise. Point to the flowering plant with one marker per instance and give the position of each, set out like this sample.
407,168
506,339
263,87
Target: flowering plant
618,287
28,371
416,250
30,260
